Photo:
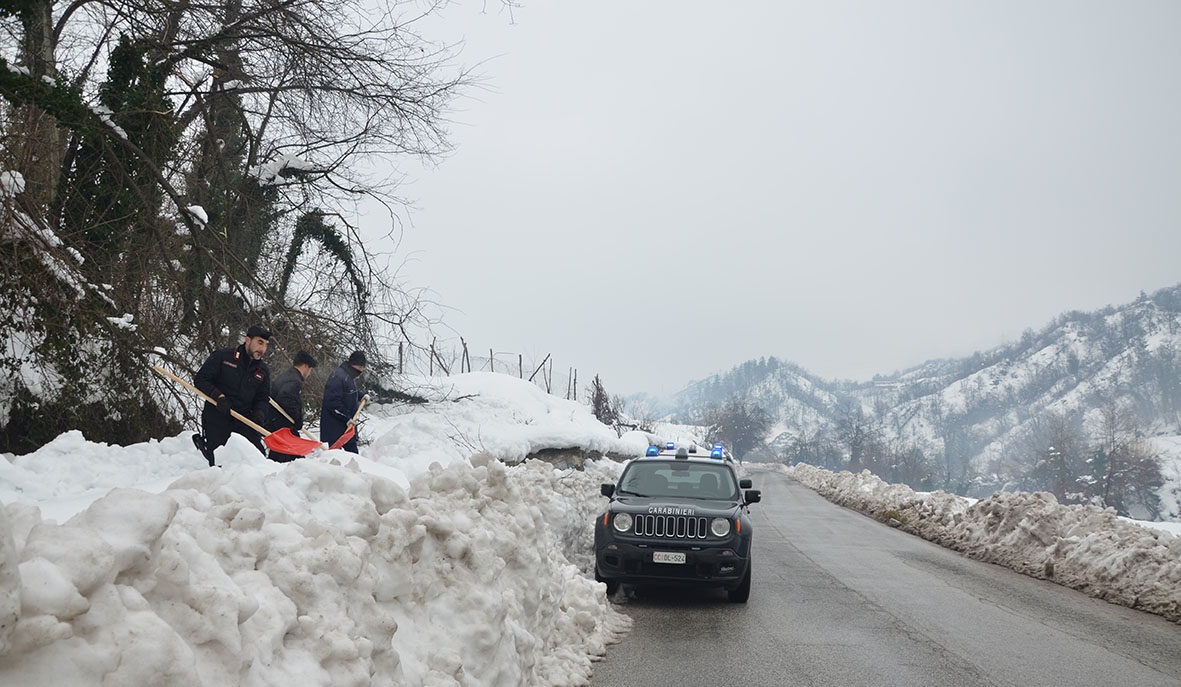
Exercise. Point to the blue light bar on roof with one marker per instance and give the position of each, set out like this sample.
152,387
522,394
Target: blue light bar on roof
670,446
653,451
719,445
716,453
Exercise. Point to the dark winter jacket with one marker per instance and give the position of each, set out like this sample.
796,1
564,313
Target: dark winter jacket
246,382
286,390
340,402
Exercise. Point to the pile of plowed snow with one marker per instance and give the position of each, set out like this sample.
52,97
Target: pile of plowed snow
1084,547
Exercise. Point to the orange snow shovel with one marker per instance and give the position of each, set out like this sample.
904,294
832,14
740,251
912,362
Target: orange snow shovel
282,441
351,430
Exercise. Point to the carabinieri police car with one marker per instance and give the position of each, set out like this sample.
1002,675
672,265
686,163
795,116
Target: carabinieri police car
677,516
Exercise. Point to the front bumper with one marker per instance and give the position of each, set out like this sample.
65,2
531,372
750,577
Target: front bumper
715,564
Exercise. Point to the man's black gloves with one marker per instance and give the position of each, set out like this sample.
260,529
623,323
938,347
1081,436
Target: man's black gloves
223,405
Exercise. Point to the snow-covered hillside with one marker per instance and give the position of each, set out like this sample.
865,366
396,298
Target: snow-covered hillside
980,422
1076,366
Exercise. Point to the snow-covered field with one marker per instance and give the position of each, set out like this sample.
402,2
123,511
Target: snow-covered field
436,557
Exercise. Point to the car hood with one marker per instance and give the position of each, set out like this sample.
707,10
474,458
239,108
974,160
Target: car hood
659,505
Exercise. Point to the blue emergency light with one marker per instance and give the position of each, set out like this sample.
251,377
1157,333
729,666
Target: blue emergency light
716,453
670,446
653,451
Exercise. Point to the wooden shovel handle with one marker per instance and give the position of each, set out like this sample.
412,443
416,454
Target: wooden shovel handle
237,416
276,406
364,400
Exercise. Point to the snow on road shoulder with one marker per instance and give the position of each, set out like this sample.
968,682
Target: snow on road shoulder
1083,547
317,573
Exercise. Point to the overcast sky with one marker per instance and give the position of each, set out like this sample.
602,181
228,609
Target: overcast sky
856,187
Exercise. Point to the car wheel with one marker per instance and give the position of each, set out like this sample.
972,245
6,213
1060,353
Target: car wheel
741,593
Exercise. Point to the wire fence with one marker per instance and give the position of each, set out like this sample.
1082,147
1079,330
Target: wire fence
443,359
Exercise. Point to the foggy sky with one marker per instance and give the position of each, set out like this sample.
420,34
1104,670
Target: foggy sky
657,191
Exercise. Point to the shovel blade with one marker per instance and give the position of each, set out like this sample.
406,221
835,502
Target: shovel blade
349,433
284,441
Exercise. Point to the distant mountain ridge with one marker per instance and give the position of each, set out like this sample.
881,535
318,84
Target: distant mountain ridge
975,414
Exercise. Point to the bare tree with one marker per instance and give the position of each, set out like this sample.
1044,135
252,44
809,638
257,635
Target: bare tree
642,416
1127,469
1058,447
907,464
814,448
739,423
860,436
200,168
605,408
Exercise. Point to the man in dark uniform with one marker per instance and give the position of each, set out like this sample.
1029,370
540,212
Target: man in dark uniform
236,379
341,401
286,391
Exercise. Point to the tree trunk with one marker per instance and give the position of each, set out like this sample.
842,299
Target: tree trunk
37,146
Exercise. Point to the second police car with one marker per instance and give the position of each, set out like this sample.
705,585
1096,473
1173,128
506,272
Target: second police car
677,516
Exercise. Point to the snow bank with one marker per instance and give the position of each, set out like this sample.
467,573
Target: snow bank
1084,547
487,412
314,574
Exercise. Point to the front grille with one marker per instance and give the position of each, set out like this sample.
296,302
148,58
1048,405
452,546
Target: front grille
671,526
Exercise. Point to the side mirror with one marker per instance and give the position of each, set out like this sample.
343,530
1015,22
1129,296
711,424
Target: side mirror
607,490
744,484
753,496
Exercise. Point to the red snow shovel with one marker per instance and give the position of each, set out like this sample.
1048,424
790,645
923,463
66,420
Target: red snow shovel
351,430
276,406
282,441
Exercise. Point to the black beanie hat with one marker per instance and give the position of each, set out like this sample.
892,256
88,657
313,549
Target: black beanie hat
357,358
304,358
257,330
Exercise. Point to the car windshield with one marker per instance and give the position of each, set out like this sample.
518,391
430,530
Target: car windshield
679,479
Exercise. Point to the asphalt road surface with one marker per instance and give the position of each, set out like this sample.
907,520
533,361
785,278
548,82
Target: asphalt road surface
840,599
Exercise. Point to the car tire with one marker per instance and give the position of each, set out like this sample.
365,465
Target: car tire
741,593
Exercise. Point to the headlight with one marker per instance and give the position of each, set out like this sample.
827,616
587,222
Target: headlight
720,527
623,522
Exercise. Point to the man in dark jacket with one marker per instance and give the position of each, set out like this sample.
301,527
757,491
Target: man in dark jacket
341,401
236,379
286,392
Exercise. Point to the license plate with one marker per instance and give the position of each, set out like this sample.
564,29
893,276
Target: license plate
668,557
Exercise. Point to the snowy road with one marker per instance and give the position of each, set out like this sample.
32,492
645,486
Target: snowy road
840,599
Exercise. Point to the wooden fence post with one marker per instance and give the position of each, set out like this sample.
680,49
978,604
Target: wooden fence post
436,357
539,368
